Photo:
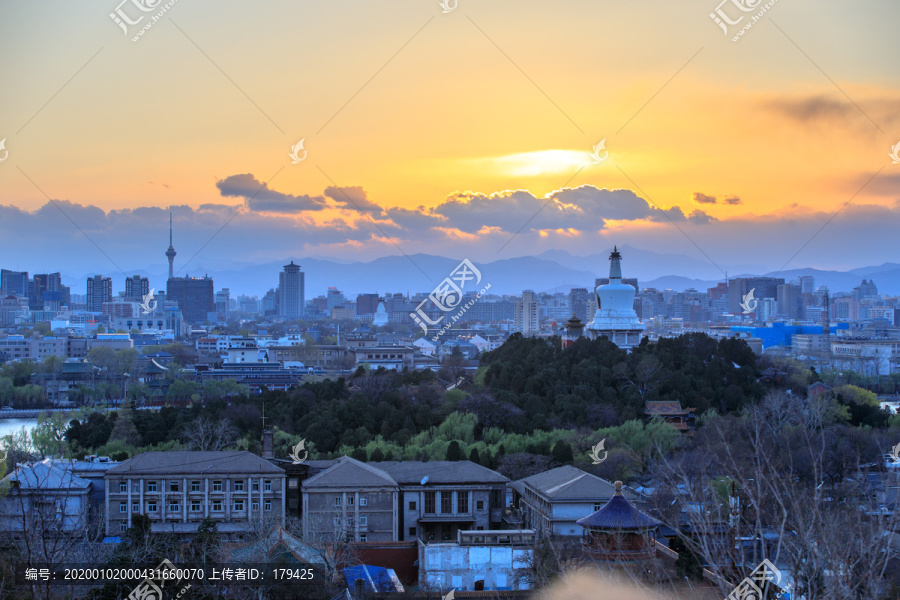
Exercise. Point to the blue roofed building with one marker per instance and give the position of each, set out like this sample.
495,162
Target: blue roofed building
779,334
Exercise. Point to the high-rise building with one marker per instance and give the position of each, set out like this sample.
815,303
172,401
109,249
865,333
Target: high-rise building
291,292
223,299
136,287
763,287
99,290
195,296
367,304
527,315
578,303
14,282
335,298
807,284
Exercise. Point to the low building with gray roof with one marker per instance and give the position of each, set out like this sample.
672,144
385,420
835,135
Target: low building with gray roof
177,490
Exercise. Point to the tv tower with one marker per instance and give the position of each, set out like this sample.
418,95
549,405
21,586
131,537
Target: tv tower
170,253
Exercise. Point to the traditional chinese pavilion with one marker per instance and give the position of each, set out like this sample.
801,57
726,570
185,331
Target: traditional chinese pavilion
574,330
618,531
672,413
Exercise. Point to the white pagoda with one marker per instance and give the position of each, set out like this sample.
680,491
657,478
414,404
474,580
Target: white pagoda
615,317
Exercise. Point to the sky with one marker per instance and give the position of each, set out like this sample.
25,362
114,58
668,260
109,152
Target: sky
467,133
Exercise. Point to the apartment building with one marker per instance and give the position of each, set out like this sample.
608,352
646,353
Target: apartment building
402,500
177,490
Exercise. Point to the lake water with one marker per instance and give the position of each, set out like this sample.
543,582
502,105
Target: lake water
8,426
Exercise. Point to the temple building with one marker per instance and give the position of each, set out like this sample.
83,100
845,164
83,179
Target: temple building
615,317
574,330
618,532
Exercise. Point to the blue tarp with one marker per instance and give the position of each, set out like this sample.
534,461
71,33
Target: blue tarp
375,579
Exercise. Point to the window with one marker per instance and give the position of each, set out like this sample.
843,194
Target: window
151,486
293,483
123,487
173,486
337,521
267,485
195,506
268,505
255,507
480,505
363,537
363,501
151,507
412,531
135,507
349,500
238,505
337,500
363,521
217,486
195,486
217,505
239,486
597,507
412,505
255,486
174,507
123,526
462,502
429,503
123,507
446,502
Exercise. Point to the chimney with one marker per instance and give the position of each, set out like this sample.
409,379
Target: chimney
268,444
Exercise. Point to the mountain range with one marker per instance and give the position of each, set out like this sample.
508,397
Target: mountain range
552,271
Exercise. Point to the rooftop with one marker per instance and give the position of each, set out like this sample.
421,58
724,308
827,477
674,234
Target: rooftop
194,462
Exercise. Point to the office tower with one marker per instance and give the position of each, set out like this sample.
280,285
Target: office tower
290,292
367,304
170,253
763,287
578,303
136,287
14,282
99,290
527,316
223,299
195,296
335,298
807,284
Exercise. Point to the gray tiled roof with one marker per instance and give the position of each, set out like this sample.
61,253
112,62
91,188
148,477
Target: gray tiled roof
186,462
48,475
402,473
439,471
350,472
569,483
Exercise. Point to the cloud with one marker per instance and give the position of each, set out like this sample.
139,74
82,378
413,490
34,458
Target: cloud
732,200
353,198
701,198
832,109
260,198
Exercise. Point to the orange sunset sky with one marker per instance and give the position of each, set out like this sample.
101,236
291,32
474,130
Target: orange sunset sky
429,121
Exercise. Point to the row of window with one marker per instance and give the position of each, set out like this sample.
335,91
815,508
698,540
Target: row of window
196,506
446,499
363,501
217,486
363,521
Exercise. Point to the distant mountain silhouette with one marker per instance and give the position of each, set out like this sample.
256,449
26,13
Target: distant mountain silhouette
551,271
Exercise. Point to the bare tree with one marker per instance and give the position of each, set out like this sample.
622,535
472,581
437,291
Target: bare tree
207,434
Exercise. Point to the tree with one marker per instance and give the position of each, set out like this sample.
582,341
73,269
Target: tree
207,434
454,452
124,430
562,453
